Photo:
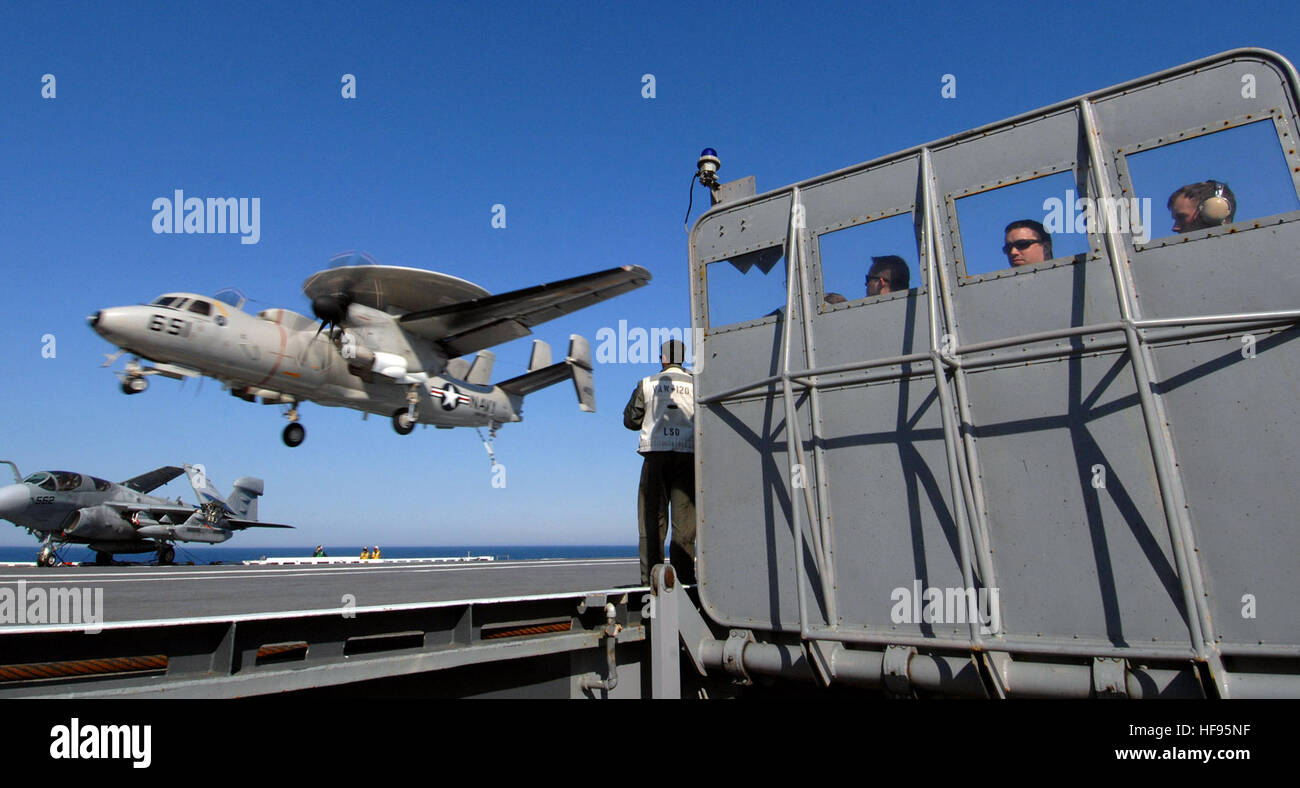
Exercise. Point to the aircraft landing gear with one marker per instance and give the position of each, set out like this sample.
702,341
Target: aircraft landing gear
405,419
103,559
46,557
402,422
294,434
166,554
133,381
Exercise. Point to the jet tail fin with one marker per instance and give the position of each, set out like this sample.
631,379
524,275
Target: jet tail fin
541,373
242,502
202,485
243,499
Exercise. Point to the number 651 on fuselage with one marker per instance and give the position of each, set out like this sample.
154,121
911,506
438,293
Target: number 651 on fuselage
389,341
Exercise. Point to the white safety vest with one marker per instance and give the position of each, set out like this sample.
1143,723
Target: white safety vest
668,424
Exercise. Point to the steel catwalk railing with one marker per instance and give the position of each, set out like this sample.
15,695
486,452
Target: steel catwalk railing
969,470
1162,450
1238,322
962,475
794,440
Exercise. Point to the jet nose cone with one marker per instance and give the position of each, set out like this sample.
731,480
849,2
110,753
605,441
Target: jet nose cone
13,500
93,319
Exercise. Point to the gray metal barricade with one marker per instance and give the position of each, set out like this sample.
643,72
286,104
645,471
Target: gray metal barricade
853,459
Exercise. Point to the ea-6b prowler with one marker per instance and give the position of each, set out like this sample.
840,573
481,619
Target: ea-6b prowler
389,341
62,507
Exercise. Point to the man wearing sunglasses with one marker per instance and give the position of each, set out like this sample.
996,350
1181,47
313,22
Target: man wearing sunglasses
1027,241
888,274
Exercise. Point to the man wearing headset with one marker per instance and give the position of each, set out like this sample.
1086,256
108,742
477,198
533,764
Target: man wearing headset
662,409
1200,205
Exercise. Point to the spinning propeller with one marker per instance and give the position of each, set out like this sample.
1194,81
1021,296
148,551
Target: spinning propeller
331,309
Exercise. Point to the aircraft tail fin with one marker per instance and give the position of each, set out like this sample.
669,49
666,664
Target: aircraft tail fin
540,358
579,361
480,372
203,489
541,373
457,368
243,499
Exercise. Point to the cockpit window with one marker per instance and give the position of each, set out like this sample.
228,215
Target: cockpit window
231,297
164,301
100,484
67,481
42,480
200,307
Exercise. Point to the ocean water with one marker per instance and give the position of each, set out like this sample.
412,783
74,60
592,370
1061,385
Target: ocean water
233,554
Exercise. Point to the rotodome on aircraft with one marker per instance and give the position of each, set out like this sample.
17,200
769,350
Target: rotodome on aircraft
389,341
74,508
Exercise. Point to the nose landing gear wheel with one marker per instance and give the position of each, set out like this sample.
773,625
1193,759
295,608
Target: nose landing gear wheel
46,558
402,422
166,555
134,385
294,434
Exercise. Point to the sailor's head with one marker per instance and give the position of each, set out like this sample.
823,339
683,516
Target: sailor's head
673,353
1026,242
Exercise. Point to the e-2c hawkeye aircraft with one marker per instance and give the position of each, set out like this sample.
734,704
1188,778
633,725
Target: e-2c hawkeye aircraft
65,507
392,341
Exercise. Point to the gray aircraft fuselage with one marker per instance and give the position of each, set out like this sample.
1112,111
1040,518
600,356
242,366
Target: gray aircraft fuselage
71,508
280,355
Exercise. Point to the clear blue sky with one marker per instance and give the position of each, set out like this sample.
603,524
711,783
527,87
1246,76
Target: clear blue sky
538,107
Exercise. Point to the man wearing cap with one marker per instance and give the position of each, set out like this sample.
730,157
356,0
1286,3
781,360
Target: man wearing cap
662,409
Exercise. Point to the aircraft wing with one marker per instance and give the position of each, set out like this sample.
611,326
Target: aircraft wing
239,525
148,482
177,514
479,323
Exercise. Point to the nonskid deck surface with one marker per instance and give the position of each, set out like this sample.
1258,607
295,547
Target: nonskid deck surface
179,593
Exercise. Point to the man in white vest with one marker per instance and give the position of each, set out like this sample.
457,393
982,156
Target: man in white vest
662,408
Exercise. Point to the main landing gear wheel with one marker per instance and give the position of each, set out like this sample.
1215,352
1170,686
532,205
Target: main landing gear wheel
166,554
103,559
294,434
402,422
46,557
134,385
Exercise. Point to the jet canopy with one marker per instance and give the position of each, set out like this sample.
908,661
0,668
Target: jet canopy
64,481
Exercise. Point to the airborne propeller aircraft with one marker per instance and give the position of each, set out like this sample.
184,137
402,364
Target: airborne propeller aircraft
389,341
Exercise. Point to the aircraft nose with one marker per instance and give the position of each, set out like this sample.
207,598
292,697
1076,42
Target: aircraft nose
109,322
13,500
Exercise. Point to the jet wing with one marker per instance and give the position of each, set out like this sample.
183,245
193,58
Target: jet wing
479,323
239,525
148,482
177,514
